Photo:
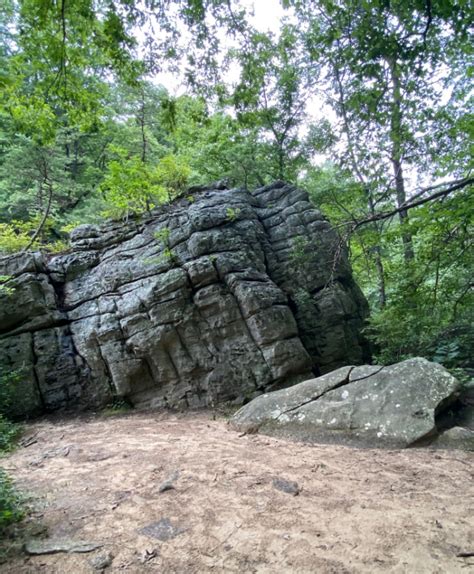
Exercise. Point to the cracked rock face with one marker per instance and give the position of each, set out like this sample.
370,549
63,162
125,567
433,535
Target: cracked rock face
396,406
212,299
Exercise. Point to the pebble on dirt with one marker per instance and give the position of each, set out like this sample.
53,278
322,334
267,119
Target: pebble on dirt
286,486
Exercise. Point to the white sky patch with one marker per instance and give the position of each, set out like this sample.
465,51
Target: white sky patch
265,16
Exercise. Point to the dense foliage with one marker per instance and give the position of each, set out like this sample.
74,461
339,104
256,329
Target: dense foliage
11,507
11,504
86,133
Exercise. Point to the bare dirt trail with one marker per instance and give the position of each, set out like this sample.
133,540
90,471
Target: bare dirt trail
358,510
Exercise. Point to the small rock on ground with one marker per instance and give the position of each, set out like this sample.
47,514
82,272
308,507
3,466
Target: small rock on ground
53,546
168,484
101,561
162,530
286,486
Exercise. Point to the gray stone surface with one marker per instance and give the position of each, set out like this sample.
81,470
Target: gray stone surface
200,302
397,406
455,437
162,530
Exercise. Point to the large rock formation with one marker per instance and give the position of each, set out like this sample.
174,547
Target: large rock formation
214,298
410,403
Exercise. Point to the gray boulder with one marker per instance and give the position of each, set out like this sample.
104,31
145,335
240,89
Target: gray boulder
395,406
456,423
455,437
208,300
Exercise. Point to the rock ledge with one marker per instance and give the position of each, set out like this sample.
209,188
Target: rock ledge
397,406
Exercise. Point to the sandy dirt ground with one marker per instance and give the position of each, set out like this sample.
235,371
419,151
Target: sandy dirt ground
98,479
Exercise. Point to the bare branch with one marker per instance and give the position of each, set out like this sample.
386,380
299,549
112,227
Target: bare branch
47,211
429,19
460,184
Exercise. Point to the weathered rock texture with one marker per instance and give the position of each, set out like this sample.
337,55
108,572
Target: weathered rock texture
214,298
400,405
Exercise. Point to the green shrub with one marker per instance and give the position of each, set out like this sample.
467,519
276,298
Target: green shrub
163,235
132,186
409,328
8,433
6,287
173,174
11,506
232,214
9,382
16,236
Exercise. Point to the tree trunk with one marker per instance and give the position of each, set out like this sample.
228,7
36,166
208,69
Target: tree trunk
142,122
47,182
396,139
377,255
281,162
382,295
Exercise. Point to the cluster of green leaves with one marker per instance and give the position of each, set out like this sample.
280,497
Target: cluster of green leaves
9,382
429,309
11,503
45,186
82,134
163,237
53,56
131,186
272,94
232,214
6,287
8,433
17,235
213,144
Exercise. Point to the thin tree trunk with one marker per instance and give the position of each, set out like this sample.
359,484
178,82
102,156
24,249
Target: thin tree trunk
382,295
377,255
46,213
281,162
395,138
141,121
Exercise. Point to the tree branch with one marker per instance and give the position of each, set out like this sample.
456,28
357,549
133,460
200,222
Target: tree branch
429,19
410,204
45,214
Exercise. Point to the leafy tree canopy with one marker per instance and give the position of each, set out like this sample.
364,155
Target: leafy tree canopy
381,89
